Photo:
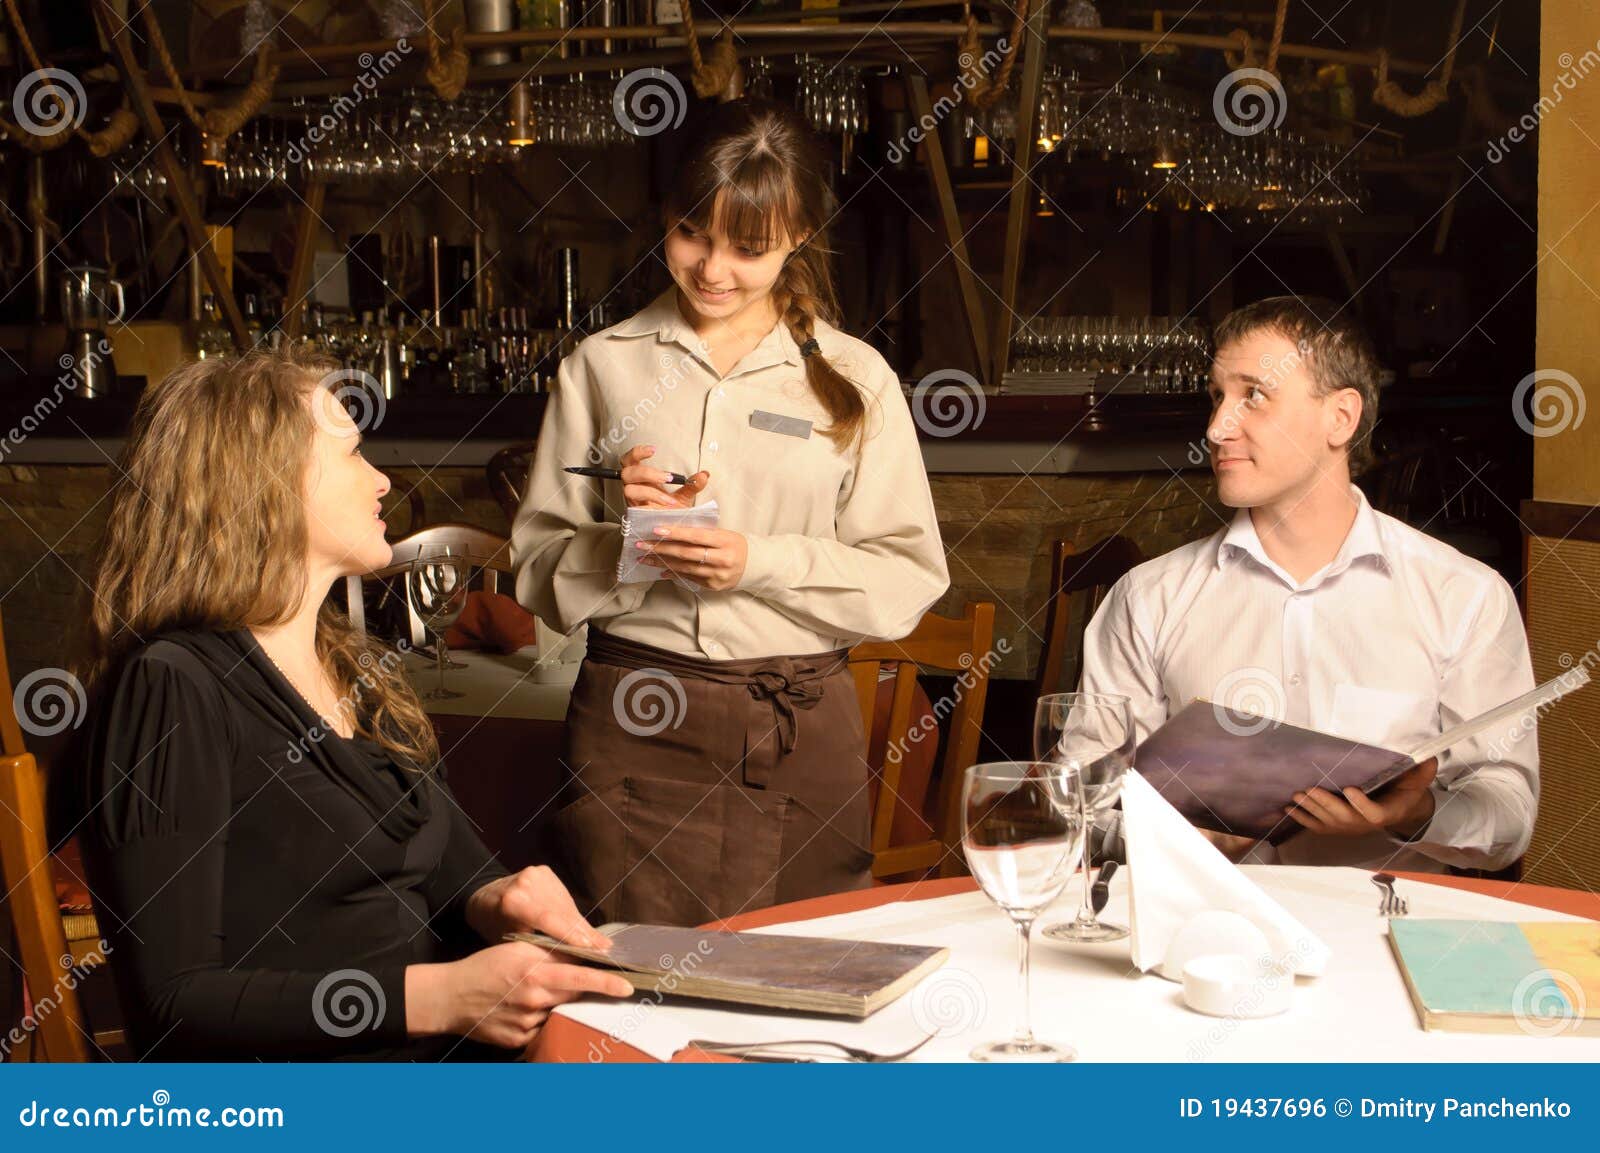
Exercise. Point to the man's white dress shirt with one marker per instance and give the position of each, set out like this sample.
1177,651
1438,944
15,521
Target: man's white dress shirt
1396,639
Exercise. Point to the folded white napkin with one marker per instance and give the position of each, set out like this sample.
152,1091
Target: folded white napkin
1174,873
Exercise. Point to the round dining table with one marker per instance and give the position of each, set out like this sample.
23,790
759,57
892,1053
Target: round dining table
566,1040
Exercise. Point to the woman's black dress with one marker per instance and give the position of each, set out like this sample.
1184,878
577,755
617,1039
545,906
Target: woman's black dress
262,883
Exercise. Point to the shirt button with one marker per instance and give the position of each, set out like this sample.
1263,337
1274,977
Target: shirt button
712,447
722,392
1295,679
712,647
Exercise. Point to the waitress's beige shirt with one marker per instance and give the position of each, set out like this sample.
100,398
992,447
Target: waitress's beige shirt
842,547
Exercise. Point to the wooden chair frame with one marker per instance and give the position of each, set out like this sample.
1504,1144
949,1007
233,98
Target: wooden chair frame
960,645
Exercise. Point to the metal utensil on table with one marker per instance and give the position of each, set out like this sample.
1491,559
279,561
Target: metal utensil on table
1392,904
792,1051
1100,891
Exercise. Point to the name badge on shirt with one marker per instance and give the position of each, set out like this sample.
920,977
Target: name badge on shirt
778,423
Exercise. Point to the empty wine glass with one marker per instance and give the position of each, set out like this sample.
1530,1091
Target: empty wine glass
437,587
1090,735
1022,825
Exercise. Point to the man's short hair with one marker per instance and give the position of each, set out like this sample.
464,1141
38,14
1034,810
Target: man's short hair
1337,352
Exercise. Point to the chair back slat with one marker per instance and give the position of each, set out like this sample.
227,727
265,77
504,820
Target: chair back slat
485,548
507,471
1091,572
960,645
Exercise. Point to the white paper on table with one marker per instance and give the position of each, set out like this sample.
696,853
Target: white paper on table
1174,873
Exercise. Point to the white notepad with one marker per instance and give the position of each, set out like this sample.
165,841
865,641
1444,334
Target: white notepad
641,523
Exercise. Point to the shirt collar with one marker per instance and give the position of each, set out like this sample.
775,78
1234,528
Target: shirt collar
662,318
1365,539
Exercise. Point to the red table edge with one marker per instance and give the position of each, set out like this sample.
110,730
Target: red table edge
566,1040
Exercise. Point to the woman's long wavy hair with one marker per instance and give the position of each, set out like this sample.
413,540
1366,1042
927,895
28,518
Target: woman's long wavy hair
761,173
207,530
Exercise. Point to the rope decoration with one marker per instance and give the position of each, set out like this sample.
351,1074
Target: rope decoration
121,127
984,90
224,119
118,133
1246,57
710,76
447,71
1402,103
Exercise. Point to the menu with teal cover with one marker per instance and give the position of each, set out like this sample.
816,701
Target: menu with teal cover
1541,978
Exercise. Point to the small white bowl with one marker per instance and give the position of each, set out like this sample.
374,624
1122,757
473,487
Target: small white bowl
1237,985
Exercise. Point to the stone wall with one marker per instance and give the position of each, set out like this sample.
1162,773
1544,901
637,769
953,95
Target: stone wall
998,530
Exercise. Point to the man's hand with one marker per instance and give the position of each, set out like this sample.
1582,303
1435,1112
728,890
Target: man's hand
1233,846
533,900
1404,808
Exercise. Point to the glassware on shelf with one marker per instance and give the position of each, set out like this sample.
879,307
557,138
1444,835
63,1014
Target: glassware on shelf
1154,354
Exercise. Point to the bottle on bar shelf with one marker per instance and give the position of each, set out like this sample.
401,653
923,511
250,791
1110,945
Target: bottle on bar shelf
212,339
491,352
252,320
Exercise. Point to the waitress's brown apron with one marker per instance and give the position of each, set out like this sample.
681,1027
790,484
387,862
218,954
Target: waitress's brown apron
699,789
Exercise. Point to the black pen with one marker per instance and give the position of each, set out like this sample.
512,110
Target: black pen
616,474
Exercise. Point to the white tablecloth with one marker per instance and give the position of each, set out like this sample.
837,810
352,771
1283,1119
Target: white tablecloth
1092,998
498,685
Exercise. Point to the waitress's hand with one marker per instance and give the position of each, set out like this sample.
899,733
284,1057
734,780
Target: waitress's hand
646,487
500,995
531,901
713,558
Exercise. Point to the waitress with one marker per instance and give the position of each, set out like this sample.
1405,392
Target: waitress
714,741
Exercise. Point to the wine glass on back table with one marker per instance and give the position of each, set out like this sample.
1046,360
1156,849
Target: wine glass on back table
436,585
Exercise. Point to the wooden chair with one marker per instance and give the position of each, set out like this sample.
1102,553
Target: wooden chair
508,476
490,550
960,645
45,938
418,509
1092,572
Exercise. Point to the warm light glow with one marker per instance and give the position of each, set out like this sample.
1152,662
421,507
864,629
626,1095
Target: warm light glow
213,151
519,117
980,150
1163,165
